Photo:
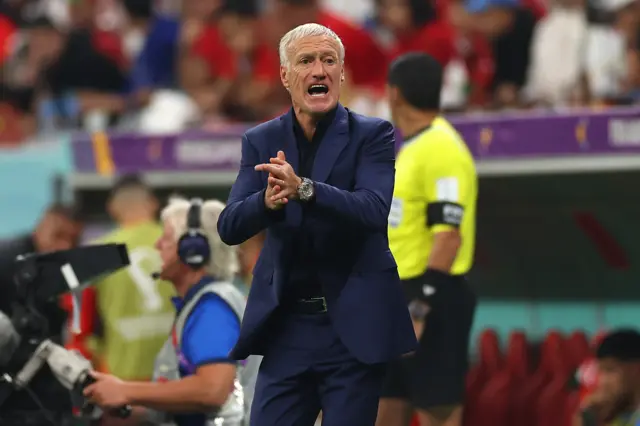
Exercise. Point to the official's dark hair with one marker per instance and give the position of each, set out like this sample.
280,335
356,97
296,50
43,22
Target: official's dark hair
622,345
139,8
68,211
418,77
128,181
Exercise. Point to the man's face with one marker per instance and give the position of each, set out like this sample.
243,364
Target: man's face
57,232
395,14
314,74
616,380
167,245
238,32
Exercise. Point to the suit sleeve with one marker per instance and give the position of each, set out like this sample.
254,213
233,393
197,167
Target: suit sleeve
246,214
369,203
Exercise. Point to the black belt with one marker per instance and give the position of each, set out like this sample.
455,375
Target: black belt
311,305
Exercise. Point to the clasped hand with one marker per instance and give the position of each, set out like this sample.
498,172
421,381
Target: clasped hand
107,391
282,184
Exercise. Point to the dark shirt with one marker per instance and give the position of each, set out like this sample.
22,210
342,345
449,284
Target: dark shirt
304,276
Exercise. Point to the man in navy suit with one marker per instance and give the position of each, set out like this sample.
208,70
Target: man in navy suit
325,308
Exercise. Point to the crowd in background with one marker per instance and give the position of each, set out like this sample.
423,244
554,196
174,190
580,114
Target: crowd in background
164,65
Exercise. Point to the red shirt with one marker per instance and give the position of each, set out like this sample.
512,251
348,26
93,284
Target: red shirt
365,61
440,40
7,29
224,63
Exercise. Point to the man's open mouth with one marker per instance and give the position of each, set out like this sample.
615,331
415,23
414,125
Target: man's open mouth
318,90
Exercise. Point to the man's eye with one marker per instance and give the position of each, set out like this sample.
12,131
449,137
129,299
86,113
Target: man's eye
330,61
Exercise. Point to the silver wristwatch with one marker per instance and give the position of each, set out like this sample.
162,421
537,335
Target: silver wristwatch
306,190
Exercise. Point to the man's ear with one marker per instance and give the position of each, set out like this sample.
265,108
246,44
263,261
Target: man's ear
284,77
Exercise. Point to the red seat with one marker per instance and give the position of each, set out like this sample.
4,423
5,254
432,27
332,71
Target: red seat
517,356
572,404
551,404
490,355
474,385
553,355
493,402
578,348
524,398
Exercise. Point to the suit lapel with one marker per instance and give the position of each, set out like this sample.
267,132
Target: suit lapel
290,147
332,144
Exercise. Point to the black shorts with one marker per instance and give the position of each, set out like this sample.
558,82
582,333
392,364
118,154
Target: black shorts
435,374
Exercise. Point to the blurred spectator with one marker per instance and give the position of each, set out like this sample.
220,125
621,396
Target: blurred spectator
129,307
149,42
608,46
88,75
557,51
229,68
23,73
509,26
616,398
405,26
7,32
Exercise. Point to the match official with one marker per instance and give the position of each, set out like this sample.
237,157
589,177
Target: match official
431,235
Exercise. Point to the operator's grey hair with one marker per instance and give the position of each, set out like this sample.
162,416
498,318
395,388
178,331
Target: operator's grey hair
224,260
303,31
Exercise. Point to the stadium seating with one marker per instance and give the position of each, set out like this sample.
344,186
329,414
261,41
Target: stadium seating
514,387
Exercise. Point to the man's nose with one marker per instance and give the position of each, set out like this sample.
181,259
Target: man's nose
318,70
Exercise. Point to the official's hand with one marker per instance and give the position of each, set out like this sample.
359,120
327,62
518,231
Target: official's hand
107,392
273,188
282,175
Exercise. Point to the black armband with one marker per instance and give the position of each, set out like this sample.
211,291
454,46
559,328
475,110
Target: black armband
444,213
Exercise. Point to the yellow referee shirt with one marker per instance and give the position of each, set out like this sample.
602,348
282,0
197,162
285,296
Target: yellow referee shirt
436,190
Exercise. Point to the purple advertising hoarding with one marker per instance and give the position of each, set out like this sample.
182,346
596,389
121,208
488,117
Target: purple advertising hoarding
518,136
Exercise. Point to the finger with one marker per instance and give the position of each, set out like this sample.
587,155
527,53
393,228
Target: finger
278,161
276,170
281,195
96,375
270,168
275,181
88,390
281,156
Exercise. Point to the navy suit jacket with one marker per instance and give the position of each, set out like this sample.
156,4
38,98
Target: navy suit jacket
354,172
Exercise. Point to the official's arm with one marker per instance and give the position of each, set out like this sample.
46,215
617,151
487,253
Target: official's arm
212,382
246,214
449,190
369,203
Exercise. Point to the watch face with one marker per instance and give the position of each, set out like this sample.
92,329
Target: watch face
306,189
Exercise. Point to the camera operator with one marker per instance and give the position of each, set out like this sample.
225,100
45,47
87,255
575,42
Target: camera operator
194,378
45,401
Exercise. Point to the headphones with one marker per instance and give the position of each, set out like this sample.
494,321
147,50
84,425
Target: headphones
193,247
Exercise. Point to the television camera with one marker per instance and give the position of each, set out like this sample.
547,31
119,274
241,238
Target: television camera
25,346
